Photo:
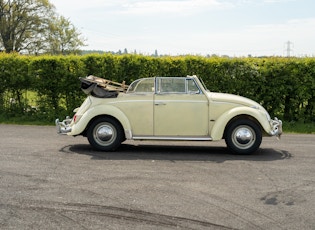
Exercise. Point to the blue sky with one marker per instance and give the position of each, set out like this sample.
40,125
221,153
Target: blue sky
198,27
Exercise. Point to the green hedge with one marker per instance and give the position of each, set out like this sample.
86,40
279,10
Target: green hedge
14,81
46,87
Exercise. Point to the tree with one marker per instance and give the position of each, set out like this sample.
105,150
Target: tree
63,37
22,23
33,26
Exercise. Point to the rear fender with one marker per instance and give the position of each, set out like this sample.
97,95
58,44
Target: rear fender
101,110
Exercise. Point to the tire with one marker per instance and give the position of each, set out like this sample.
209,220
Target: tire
243,136
105,134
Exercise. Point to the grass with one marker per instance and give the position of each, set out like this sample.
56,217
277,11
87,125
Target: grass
299,127
24,121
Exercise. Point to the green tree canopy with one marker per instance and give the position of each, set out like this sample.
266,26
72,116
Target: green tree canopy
63,37
33,26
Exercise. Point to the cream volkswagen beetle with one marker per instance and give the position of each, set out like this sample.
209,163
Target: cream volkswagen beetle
167,108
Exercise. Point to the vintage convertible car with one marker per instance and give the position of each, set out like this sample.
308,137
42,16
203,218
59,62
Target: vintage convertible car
167,108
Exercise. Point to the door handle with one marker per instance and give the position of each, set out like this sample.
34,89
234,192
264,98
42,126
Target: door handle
160,103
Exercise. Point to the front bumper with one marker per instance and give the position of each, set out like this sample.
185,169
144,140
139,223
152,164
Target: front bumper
63,127
276,125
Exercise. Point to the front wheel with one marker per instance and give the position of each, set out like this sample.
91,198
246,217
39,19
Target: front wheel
243,136
105,134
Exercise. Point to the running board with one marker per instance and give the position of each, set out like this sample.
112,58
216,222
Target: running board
172,138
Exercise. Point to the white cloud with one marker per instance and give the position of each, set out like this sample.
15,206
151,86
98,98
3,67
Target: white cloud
170,6
270,39
278,1
233,27
259,40
297,28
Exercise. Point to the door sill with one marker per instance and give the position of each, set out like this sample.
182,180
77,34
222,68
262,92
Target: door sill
173,138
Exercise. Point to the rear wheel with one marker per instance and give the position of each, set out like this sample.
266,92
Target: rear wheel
243,136
105,134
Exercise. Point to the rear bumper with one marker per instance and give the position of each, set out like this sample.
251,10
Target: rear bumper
63,127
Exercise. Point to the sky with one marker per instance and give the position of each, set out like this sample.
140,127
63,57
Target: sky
196,27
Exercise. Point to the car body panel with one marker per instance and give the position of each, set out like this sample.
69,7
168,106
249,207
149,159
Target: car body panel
181,115
95,111
219,125
138,109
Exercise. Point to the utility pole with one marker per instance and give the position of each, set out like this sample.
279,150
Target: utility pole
288,49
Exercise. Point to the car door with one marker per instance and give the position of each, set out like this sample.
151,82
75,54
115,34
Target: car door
180,108
137,106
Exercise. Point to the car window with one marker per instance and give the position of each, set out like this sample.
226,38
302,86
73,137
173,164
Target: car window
172,85
192,87
145,85
177,85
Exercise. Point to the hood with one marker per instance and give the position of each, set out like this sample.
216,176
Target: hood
235,99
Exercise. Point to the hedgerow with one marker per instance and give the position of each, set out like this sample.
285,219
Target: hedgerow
45,87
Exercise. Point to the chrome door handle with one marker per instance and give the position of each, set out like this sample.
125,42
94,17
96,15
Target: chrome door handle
160,103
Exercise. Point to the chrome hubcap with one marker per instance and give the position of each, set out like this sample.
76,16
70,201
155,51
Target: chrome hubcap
244,137
104,134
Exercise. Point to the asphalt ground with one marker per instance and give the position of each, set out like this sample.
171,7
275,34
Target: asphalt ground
48,181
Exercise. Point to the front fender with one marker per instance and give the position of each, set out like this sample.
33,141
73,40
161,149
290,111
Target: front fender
101,110
220,124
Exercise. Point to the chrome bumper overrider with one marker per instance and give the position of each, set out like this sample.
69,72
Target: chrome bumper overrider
276,127
63,127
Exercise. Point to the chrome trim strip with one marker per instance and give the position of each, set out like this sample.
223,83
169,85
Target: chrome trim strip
158,101
172,138
180,101
130,101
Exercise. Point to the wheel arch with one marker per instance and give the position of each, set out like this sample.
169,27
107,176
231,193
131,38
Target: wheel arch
103,111
219,128
240,117
103,116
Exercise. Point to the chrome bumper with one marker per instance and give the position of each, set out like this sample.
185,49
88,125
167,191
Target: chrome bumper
63,127
276,127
